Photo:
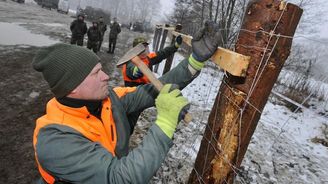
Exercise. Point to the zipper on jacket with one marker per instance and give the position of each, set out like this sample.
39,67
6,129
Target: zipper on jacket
112,132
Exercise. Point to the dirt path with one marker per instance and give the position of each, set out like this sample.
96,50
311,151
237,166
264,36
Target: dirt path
19,110
24,93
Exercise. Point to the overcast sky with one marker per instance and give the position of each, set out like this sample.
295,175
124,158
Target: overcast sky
166,9
168,5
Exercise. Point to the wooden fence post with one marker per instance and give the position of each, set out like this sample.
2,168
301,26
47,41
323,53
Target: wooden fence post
169,60
268,27
164,35
157,37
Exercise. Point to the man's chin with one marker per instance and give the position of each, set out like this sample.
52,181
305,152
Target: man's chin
106,94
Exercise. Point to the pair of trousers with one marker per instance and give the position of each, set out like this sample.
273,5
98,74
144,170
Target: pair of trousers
111,45
77,40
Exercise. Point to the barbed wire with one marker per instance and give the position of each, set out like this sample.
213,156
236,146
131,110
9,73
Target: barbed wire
206,101
209,144
241,110
290,116
221,152
274,34
255,81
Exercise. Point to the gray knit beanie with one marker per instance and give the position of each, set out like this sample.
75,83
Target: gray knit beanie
64,66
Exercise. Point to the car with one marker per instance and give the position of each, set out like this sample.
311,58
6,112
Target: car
48,3
19,1
138,26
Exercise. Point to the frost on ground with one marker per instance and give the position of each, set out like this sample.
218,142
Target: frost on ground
286,147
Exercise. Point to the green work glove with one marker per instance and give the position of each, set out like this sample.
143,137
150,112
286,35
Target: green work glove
136,73
178,41
204,44
170,105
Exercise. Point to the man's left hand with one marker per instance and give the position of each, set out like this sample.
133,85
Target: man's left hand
137,73
178,41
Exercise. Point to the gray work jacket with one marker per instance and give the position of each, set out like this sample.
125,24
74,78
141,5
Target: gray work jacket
76,159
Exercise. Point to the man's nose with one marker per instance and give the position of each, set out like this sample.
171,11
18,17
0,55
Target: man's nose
104,77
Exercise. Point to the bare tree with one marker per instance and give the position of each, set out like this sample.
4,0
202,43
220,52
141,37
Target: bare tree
228,13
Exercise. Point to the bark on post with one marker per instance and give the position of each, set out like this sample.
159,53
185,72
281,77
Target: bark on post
169,60
268,27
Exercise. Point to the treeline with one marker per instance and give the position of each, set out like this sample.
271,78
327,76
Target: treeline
191,14
127,10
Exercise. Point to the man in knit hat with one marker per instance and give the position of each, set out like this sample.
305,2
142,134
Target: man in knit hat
84,135
78,28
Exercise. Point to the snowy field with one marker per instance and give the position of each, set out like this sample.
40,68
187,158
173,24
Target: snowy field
281,149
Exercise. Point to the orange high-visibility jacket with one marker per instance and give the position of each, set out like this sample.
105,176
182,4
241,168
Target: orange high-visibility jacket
102,131
143,79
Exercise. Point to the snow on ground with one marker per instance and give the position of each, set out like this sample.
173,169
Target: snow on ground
281,150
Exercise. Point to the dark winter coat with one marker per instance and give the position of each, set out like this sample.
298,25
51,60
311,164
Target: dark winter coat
78,28
102,28
94,34
115,29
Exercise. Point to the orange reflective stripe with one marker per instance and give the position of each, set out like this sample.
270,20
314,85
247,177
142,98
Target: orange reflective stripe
122,91
152,55
80,120
47,177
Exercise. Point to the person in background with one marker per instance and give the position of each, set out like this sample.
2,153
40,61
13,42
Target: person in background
102,28
94,36
115,29
79,29
84,135
132,76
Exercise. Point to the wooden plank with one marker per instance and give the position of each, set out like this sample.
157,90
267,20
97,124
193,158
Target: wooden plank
186,38
169,28
232,62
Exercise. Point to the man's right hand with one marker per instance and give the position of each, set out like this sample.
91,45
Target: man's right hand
169,103
204,44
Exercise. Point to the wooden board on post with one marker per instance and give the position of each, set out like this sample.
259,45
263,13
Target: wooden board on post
232,62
